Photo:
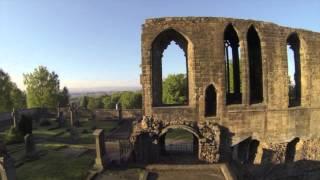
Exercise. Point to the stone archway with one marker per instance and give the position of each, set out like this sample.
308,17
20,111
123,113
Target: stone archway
179,144
151,130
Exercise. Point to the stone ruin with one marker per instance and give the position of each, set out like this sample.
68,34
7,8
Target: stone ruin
252,114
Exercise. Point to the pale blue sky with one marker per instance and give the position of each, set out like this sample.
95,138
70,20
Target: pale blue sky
96,43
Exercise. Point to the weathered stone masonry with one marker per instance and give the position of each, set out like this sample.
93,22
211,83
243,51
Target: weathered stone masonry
231,129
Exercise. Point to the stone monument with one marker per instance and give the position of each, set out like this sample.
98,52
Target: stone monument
100,161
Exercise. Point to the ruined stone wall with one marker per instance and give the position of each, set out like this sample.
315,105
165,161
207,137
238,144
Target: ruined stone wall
269,121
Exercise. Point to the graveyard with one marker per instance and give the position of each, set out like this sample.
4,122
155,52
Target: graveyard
58,153
55,150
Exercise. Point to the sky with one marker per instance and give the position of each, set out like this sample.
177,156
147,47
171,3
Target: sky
96,43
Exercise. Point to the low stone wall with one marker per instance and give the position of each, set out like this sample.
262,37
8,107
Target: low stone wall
6,120
100,114
105,114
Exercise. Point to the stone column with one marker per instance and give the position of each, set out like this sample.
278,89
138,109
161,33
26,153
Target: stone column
100,161
30,147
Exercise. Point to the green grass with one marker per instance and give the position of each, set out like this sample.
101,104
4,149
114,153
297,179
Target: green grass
53,164
56,166
179,134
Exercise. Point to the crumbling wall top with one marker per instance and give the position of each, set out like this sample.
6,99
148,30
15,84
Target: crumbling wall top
200,19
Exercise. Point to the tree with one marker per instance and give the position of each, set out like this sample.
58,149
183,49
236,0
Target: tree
107,104
42,88
18,98
174,90
115,98
131,100
95,103
64,97
10,95
5,89
84,102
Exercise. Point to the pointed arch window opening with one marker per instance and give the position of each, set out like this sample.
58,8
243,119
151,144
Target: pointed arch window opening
168,63
232,67
255,66
210,101
294,71
159,45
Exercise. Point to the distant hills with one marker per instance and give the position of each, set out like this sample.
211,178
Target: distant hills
98,91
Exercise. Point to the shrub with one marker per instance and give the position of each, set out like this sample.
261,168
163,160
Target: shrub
13,135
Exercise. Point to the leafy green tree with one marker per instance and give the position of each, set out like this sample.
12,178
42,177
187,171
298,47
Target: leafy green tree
174,90
64,97
84,102
131,100
107,104
95,103
18,98
10,95
42,88
115,98
5,89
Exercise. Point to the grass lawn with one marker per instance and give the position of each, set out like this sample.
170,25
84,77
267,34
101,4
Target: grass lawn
53,163
84,131
56,166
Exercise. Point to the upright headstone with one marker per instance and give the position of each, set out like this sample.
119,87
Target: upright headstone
100,161
119,109
7,168
60,119
14,116
58,110
25,125
71,115
76,117
30,146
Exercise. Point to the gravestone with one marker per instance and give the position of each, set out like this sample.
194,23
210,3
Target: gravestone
119,109
14,116
25,125
60,119
100,161
30,146
7,168
76,117
58,110
71,115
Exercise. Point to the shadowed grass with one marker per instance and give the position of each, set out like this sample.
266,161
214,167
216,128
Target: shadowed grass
56,166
